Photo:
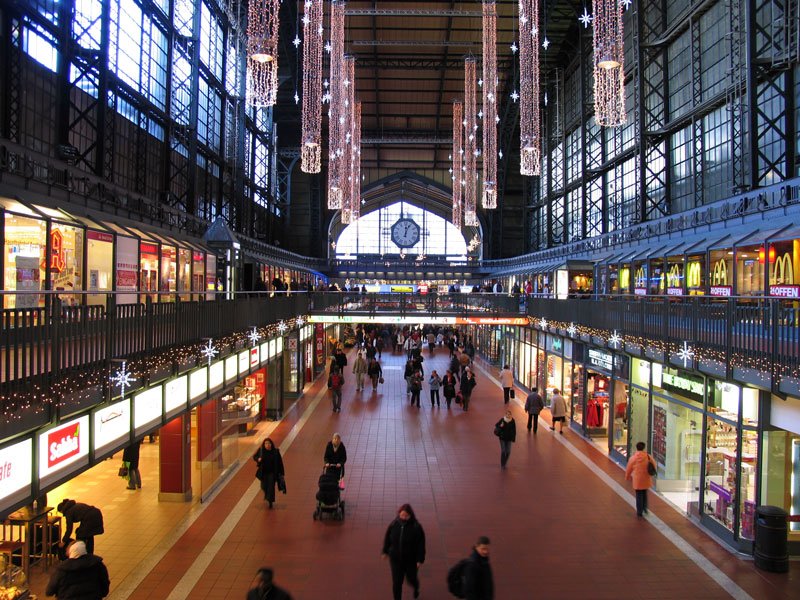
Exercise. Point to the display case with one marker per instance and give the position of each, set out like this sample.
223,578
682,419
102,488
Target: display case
241,408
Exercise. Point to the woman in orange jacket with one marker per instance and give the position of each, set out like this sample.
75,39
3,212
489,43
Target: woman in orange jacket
637,471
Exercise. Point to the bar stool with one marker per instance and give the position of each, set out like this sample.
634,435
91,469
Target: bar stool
7,549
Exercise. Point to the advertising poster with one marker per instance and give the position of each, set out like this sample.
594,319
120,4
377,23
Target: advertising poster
112,426
61,447
660,435
127,268
27,281
15,472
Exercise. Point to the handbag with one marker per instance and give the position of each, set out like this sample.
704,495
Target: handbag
341,483
123,471
380,380
497,430
281,484
259,474
651,468
512,393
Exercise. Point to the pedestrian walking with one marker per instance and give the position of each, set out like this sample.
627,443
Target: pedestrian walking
359,370
379,347
335,384
435,383
340,358
533,406
416,387
404,546
478,580
375,373
89,517
468,384
270,469
407,373
506,431
265,588
449,387
506,382
640,470
131,456
558,410
82,575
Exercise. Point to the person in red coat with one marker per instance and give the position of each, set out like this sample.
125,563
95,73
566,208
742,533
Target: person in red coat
637,472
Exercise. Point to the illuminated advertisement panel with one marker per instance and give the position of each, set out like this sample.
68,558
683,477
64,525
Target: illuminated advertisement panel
16,472
175,394
63,449
112,426
148,407
216,376
198,385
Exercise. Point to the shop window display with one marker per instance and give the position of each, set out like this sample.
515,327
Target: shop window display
620,426
784,268
748,477
721,475
577,395
598,388
66,262
99,264
779,484
674,276
184,272
148,264
721,273
198,271
696,275
25,244
169,272
750,271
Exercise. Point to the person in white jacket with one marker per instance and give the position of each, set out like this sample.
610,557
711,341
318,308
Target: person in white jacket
506,382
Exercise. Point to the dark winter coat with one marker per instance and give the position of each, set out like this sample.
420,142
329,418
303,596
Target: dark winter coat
335,456
468,383
341,360
508,431
89,517
404,541
271,593
269,461
82,578
449,386
534,403
131,454
478,581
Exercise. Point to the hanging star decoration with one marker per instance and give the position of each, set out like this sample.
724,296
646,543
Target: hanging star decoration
627,3
209,351
296,98
254,336
572,330
615,339
514,96
686,353
296,41
585,18
123,378
546,43
543,323
328,47
514,47
282,327
299,321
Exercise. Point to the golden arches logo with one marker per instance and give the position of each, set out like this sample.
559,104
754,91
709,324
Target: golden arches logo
719,275
639,278
783,271
674,276
693,274
624,278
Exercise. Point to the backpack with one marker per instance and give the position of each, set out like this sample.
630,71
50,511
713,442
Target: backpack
455,578
336,382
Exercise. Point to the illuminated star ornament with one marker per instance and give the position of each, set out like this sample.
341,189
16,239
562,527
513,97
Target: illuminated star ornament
543,323
627,3
299,321
572,330
585,18
296,41
282,327
514,96
254,336
686,353
514,47
123,378
615,339
209,351
546,43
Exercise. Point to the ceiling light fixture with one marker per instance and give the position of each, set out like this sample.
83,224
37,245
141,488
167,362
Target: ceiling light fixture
336,129
609,71
262,52
470,150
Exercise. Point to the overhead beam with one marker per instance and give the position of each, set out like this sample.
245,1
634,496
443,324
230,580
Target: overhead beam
464,44
411,12
419,63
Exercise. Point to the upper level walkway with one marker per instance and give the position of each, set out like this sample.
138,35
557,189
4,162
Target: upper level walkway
560,518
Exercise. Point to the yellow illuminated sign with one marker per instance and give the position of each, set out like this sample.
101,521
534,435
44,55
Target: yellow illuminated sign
693,274
624,278
783,271
639,278
674,276
719,275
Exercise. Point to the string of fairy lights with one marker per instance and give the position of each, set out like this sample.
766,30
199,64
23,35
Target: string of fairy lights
311,151
457,158
470,141
80,388
489,117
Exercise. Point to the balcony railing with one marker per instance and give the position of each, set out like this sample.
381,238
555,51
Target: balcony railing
354,303
723,334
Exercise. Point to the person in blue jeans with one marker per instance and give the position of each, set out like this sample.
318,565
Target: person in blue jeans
506,431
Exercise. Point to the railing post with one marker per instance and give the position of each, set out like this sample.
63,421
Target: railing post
149,321
775,329
111,326
730,314
53,307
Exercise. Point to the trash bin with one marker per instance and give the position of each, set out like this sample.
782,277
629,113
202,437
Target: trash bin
771,549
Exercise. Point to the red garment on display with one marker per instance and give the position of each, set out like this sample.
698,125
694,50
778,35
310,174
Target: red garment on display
592,416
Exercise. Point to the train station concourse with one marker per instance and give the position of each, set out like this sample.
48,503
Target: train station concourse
395,231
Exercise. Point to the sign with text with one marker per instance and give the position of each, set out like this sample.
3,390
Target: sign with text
640,291
254,357
720,290
601,359
674,291
244,362
785,291
16,473
112,426
66,445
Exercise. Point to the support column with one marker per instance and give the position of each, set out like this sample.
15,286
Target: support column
175,461
208,428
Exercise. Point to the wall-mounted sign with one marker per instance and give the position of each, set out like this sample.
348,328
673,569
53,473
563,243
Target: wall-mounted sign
244,362
16,472
273,348
674,291
383,319
216,375
491,321
683,384
401,289
292,345
785,291
640,291
175,393
278,346
231,368
147,408
601,359
254,357
66,445
198,383
555,343
112,425
720,290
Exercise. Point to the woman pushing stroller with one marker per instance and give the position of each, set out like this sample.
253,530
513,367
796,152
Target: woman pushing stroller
336,456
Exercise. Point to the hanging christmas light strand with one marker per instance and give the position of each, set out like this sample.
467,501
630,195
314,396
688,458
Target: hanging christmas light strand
529,116
609,69
355,153
489,104
336,115
470,141
458,161
346,143
262,52
311,152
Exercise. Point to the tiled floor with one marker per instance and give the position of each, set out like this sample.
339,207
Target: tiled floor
558,527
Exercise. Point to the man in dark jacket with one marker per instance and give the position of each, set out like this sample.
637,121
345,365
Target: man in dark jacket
89,517
533,406
404,545
478,581
82,576
266,589
341,359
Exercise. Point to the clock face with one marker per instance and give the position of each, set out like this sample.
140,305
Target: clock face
405,233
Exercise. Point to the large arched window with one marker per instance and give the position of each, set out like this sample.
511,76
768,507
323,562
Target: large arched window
371,235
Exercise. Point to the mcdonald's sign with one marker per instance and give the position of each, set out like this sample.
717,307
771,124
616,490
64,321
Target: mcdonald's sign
639,279
782,279
674,276
720,290
624,278
719,274
694,274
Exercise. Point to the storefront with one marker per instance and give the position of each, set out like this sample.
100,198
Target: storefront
783,264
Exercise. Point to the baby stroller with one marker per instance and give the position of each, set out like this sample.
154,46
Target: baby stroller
329,496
